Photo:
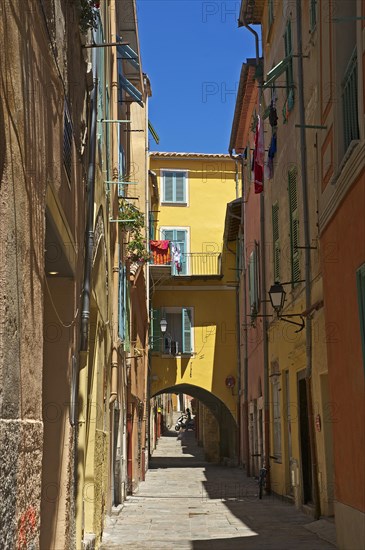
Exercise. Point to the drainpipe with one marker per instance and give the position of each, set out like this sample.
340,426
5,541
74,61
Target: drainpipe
114,206
81,390
238,158
308,327
263,284
89,233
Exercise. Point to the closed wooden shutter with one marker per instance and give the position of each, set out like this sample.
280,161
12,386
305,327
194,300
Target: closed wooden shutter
276,242
180,187
294,226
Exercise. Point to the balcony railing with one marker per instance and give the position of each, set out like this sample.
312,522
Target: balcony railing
349,102
188,264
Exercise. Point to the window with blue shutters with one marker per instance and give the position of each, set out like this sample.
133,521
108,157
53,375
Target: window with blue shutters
174,187
179,239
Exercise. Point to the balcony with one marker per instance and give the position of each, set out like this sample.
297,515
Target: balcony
166,263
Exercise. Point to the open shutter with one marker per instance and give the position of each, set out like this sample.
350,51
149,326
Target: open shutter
360,281
156,335
127,338
276,242
288,53
186,330
180,187
294,226
121,304
252,282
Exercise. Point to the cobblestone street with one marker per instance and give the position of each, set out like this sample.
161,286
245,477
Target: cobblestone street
188,504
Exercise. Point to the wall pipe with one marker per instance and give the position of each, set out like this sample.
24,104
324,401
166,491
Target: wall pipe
115,204
89,233
263,281
308,327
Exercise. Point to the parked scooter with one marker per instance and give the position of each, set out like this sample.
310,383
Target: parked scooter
184,422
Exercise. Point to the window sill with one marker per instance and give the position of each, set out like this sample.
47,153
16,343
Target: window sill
165,203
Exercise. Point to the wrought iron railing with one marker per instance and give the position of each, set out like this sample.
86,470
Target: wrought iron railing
191,264
349,102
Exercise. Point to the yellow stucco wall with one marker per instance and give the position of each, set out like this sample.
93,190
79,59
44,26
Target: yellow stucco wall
211,185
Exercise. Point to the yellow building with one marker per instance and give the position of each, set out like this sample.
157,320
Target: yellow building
193,289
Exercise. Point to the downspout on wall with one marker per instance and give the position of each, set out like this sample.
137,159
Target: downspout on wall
114,205
82,377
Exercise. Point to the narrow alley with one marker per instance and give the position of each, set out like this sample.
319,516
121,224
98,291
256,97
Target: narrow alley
188,504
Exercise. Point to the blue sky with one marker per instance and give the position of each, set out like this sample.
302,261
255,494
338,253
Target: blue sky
192,50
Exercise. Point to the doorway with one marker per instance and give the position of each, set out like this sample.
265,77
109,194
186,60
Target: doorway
306,462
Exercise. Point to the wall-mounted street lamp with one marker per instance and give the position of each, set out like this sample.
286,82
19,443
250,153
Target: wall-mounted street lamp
277,298
163,325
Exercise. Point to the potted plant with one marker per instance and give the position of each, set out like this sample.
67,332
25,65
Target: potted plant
137,250
89,14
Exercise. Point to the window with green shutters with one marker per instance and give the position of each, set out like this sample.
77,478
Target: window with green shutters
276,242
178,338
294,226
360,281
174,187
289,51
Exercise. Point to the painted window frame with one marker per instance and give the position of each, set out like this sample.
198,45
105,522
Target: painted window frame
185,202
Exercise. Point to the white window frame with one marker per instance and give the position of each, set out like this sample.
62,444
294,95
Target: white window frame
162,186
178,309
179,228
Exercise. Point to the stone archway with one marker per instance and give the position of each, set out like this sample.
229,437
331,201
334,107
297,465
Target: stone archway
227,429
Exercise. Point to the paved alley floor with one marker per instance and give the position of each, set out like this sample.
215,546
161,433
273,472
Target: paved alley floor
188,504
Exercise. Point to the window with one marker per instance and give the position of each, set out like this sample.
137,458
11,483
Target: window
174,187
67,141
276,242
313,14
288,52
178,338
360,280
294,226
179,240
253,280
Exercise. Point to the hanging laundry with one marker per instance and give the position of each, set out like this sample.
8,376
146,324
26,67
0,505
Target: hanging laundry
273,146
273,115
176,256
258,157
259,142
